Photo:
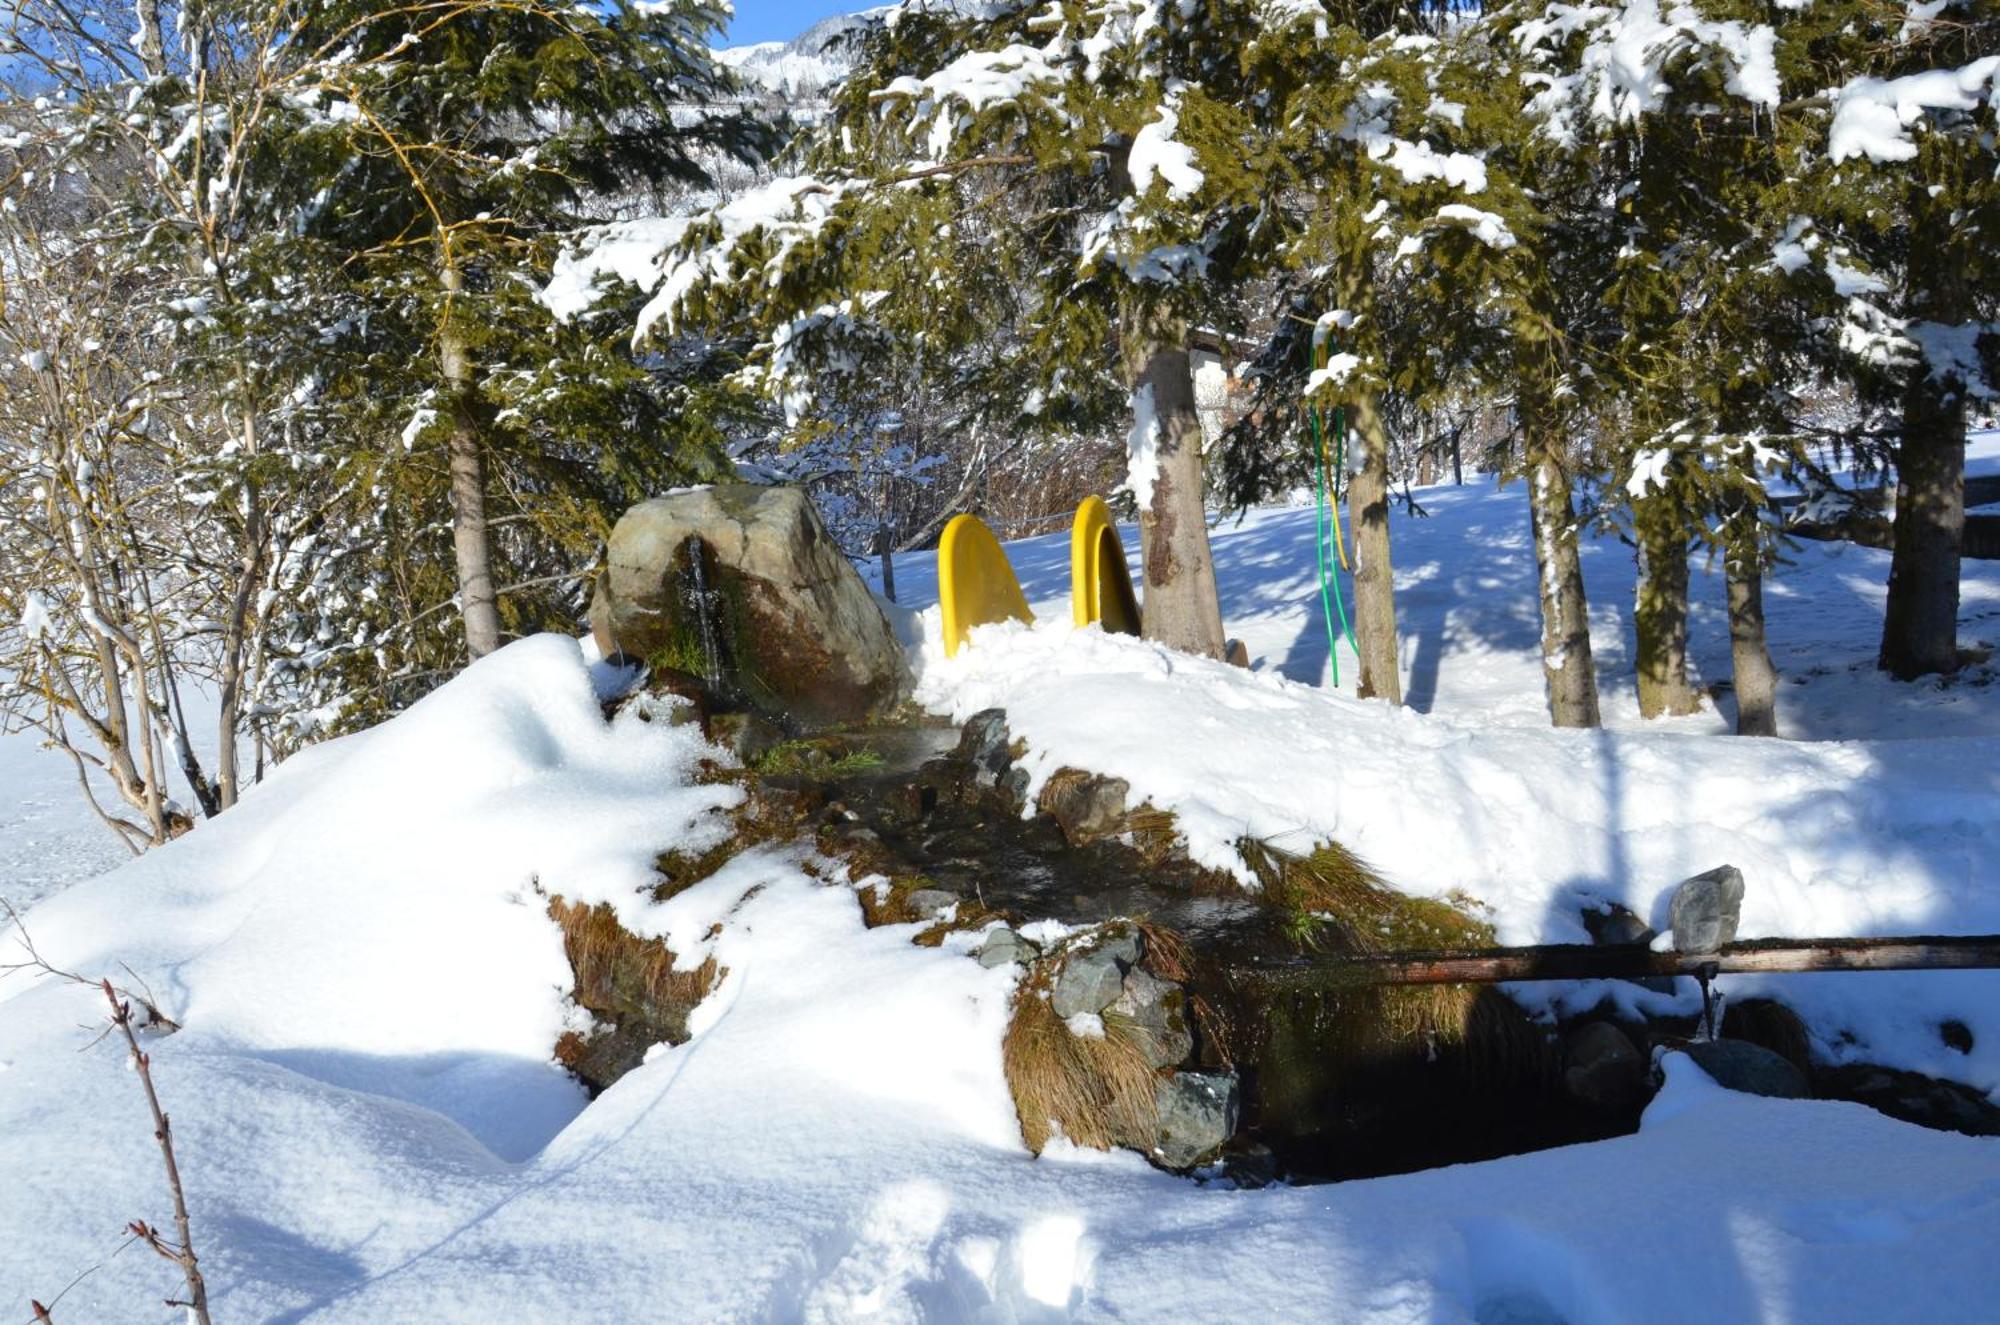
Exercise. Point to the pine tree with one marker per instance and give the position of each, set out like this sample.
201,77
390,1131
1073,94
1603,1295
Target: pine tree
1072,164
1898,205
450,153
1364,142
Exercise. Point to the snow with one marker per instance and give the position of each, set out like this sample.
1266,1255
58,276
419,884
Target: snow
1157,154
1872,117
629,251
974,83
49,839
1627,49
1877,818
1142,447
371,1129
1488,228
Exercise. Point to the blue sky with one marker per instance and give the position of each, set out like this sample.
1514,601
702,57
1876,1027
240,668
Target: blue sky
781,20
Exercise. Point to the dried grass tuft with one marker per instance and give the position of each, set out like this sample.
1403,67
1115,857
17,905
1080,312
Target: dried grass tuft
619,974
1097,1092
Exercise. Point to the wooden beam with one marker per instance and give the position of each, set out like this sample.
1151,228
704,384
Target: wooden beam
1582,961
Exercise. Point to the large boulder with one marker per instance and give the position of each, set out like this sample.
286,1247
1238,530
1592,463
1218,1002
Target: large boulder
743,587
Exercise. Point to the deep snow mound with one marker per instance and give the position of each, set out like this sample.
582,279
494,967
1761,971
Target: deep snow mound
371,1129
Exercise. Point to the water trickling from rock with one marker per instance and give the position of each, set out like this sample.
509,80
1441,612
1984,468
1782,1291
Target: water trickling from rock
703,606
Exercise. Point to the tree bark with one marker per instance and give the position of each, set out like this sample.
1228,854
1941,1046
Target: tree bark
1374,582
235,629
1756,681
1181,608
1920,625
148,41
479,606
1568,672
1660,610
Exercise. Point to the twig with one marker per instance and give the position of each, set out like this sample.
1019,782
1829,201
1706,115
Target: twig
40,965
181,1254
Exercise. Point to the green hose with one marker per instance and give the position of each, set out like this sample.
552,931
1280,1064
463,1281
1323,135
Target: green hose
1330,600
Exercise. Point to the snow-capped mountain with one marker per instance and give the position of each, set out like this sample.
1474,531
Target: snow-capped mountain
806,65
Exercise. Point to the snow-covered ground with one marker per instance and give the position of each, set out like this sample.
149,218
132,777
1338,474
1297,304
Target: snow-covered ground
1465,609
49,838
371,1128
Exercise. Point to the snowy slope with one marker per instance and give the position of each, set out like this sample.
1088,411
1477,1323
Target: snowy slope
371,1131
49,839
1465,607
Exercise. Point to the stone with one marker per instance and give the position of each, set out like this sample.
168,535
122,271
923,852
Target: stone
1004,946
1613,926
984,745
1197,1117
1154,1011
1084,805
1090,981
1912,1098
1749,1068
928,903
1705,909
745,735
743,587
1603,1069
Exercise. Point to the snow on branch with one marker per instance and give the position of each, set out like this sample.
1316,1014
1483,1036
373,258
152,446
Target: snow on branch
1626,54
973,84
1872,117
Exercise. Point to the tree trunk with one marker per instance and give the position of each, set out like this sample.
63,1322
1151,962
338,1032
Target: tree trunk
1659,614
478,605
1374,583
147,40
1756,681
1567,669
235,629
1181,609
1920,626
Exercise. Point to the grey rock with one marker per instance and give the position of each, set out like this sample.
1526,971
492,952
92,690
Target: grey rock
1005,947
929,902
1014,789
1705,909
743,586
1155,1013
1604,1069
1084,805
1119,940
1615,926
1090,981
1197,1116
984,745
744,735
1750,1068
1925,1101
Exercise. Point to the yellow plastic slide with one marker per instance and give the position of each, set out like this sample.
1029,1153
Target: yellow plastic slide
1100,588
976,584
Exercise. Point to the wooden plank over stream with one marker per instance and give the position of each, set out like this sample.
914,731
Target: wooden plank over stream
1583,961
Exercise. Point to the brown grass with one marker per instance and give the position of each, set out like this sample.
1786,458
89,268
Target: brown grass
621,975
1155,834
1097,1092
1344,904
